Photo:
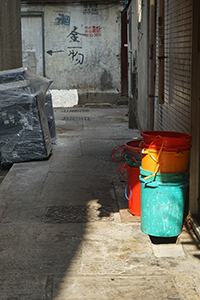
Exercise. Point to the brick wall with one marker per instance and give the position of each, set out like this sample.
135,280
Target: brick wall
174,114
10,34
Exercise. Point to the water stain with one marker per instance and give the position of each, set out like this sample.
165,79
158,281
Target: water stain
106,80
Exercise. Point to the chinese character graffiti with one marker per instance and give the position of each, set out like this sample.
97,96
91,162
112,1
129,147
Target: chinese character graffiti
63,20
74,35
92,31
76,57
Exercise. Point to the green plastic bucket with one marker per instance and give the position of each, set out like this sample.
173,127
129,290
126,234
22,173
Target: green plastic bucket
162,207
132,162
163,177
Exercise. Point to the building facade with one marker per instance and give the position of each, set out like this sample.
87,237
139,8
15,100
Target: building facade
10,35
164,43
76,45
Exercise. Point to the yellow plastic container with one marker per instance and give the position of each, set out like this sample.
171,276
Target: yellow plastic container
165,161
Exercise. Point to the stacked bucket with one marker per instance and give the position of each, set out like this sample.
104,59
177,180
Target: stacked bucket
164,181
132,159
131,162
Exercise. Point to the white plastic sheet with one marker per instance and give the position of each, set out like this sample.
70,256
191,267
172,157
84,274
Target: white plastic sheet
24,132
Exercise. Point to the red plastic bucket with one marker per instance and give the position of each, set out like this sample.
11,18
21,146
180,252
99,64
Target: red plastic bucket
133,146
132,150
169,139
133,190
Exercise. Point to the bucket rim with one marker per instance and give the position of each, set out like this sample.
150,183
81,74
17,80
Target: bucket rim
146,150
160,173
133,145
166,138
165,148
166,134
164,177
156,184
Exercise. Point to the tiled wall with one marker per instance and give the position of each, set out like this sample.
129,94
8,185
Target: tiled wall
174,114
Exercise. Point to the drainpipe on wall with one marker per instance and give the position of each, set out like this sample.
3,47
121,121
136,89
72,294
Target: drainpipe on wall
151,64
127,3
161,52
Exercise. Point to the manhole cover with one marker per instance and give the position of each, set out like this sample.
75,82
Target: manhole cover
78,214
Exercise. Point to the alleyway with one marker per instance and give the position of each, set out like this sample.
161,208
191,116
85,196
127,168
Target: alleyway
61,233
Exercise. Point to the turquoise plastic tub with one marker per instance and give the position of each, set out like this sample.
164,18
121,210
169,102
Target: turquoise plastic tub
164,177
162,207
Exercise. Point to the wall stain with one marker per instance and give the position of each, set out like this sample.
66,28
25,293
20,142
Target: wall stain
106,80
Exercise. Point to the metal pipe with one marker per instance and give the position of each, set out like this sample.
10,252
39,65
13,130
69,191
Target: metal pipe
195,227
151,64
126,7
161,52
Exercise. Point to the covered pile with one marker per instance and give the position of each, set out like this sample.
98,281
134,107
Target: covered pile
24,131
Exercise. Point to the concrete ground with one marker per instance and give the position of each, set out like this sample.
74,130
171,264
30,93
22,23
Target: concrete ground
62,235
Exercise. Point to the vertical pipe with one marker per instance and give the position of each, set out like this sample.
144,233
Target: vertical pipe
161,52
151,64
43,46
124,55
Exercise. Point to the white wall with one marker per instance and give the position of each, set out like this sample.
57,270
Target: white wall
89,40
138,71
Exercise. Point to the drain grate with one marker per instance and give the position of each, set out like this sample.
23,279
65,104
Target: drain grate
72,118
78,214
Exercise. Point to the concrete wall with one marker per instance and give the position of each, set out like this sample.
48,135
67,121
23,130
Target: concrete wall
81,48
138,65
10,35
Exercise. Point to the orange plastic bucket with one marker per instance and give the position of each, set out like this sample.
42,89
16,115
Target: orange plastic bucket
133,190
165,161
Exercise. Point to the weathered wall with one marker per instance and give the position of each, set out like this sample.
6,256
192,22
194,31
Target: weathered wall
10,35
143,65
180,111
82,49
138,65
174,114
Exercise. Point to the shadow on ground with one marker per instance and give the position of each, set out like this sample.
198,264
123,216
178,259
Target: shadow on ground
47,205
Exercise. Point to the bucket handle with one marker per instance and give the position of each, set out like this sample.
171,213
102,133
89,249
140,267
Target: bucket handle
153,184
126,166
126,195
157,161
140,144
122,170
133,158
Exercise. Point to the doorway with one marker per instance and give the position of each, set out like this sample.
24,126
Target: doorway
32,28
